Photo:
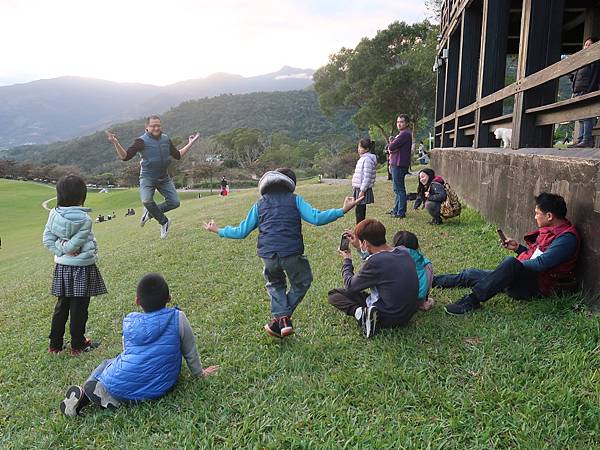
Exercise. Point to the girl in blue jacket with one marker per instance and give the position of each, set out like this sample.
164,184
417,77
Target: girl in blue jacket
68,235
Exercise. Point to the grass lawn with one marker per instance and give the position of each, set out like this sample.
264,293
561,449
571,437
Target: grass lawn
514,374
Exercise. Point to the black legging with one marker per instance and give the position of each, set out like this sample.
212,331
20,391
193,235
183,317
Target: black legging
361,212
77,307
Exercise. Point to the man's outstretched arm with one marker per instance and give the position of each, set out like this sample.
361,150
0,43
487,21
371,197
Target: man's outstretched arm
125,155
191,141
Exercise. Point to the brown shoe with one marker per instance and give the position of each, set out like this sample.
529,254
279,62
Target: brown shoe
584,144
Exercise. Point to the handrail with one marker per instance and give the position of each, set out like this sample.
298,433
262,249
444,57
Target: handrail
552,72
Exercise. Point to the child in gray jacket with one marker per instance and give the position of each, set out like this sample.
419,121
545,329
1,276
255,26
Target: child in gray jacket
68,235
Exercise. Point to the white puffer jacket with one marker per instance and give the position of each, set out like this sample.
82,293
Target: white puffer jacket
365,172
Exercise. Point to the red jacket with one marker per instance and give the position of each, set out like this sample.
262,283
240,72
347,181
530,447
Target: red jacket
542,238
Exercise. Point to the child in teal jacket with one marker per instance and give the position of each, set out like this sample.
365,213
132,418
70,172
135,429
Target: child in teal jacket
424,266
68,236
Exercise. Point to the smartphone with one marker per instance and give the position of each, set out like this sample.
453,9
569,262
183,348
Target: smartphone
344,243
502,236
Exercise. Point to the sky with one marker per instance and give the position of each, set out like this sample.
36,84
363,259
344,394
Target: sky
162,42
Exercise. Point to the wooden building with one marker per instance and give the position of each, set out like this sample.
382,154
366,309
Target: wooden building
499,65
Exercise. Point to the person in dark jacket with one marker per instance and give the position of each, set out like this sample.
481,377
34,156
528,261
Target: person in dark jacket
583,81
154,341
278,215
431,193
399,150
539,268
389,273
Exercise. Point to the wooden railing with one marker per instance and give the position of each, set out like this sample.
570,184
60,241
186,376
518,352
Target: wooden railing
551,113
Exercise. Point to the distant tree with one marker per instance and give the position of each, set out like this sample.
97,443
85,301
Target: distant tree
382,77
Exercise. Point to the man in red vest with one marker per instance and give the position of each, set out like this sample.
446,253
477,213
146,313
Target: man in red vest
548,258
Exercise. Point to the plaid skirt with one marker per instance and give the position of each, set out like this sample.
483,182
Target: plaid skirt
77,281
369,197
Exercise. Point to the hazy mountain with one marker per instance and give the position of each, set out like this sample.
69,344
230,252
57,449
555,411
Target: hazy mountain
295,113
45,111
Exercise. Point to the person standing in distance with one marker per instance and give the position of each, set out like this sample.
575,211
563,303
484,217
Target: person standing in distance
399,149
156,150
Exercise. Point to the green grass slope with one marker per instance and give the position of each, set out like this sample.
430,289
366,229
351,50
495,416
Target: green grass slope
515,374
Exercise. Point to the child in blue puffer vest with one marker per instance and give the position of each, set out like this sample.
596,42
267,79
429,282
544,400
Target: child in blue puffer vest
278,215
154,341
68,235
424,266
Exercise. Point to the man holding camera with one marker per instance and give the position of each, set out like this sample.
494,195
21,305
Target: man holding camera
156,150
390,274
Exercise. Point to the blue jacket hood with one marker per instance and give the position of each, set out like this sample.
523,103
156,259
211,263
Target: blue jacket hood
146,328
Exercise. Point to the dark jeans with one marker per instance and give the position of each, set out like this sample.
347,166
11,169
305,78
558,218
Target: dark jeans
167,189
361,212
297,269
398,174
510,276
77,307
585,127
434,208
348,302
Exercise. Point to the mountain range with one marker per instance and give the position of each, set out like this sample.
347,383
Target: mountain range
45,111
294,113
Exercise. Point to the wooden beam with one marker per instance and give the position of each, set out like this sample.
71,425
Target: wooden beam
540,46
492,68
576,113
563,103
504,118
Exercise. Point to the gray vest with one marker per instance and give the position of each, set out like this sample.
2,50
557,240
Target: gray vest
156,156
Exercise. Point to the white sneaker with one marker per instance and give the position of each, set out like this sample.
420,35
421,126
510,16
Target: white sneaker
145,217
369,321
164,229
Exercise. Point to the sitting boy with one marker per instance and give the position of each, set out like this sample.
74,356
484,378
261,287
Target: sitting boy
388,272
153,343
278,214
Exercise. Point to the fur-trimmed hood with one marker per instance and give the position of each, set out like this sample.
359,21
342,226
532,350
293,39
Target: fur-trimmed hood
273,177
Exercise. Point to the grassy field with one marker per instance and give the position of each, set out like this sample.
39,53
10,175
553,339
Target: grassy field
514,374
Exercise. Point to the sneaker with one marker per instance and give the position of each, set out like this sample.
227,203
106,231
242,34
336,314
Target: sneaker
273,328
164,229
285,326
369,321
88,346
391,212
145,217
55,351
464,305
75,399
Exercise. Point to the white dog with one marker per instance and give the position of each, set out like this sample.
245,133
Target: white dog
505,134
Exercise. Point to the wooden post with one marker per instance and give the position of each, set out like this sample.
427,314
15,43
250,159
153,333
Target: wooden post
467,77
492,64
539,46
451,85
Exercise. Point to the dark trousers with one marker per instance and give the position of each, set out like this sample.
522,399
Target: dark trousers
434,208
510,276
361,212
77,308
348,302
398,175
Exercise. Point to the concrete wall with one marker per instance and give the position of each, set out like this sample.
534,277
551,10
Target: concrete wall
501,184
